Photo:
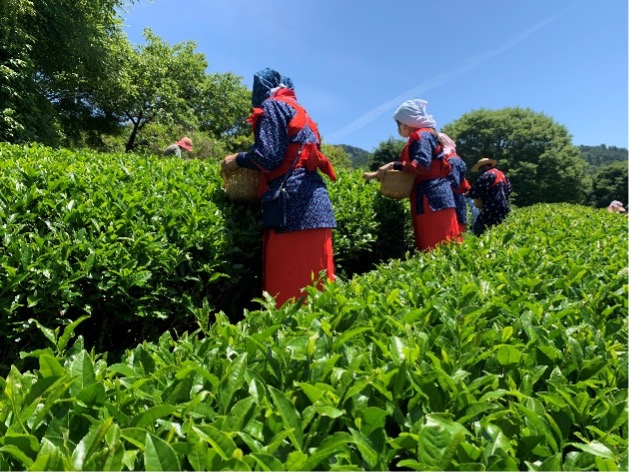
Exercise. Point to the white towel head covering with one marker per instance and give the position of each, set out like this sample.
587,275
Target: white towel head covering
449,146
413,114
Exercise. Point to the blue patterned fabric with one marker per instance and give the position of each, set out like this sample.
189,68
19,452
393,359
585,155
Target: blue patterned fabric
308,205
495,200
438,191
456,176
266,80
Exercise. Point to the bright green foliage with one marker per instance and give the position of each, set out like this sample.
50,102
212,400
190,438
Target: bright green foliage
52,56
371,228
160,84
338,157
507,352
137,242
223,106
537,153
129,240
156,81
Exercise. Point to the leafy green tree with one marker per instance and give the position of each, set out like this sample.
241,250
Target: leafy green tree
338,157
602,155
223,106
15,68
540,160
53,54
156,83
387,151
610,183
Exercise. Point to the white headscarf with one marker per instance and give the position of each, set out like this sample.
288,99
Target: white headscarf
413,114
449,146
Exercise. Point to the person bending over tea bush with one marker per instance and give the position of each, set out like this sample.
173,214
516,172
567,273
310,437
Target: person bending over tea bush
491,190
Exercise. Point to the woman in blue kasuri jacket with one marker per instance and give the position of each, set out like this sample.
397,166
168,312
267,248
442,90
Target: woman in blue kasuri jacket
287,141
492,190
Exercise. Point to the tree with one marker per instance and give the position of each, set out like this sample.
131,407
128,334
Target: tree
387,151
52,56
223,106
610,183
602,155
337,156
537,153
156,82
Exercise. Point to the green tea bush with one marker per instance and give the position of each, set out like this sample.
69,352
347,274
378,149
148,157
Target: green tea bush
138,243
505,353
371,228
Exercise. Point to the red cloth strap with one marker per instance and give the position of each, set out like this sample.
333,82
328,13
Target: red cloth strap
311,157
439,166
464,187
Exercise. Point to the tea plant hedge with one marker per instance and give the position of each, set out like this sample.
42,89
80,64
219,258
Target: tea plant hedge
138,243
507,352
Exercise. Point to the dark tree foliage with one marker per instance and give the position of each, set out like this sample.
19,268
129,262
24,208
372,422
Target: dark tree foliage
53,54
602,154
536,153
387,151
610,182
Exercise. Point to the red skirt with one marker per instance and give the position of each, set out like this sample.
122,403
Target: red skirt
434,227
294,260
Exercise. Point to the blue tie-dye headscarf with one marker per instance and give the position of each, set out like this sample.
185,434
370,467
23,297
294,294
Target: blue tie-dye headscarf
266,80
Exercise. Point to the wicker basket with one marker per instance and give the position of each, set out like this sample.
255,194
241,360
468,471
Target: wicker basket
397,184
242,185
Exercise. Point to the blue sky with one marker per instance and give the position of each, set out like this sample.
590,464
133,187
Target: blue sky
354,62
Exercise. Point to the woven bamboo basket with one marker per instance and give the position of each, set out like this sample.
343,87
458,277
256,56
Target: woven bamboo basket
397,184
242,185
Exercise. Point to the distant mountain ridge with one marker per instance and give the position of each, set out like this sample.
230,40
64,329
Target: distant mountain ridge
359,157
595,155
602,155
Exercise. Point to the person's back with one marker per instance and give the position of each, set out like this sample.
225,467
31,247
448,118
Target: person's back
173,149
493,189
496,195
176,149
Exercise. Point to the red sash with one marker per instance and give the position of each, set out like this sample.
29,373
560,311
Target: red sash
500,177
311,157
439,166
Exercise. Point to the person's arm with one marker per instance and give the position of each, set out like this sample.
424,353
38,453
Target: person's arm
420,153
271,140
271,137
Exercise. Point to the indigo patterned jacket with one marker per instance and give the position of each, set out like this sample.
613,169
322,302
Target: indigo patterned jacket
493,188
308,204
421,153
457,180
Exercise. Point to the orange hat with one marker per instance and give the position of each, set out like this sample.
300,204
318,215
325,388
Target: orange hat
185,143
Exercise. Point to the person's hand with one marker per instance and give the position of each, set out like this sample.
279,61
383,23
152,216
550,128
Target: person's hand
229,164
381,172
368,176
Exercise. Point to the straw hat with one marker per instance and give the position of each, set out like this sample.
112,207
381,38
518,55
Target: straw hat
484,161
185,143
